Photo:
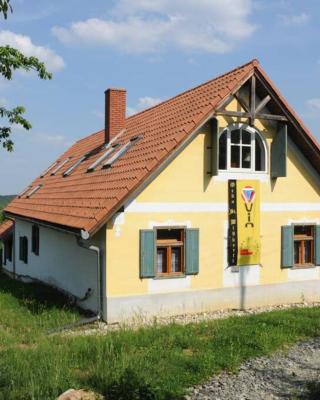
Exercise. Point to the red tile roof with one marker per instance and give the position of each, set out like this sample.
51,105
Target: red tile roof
5,228
87,200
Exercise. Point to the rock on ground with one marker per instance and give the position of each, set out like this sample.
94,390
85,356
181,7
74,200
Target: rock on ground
73,394
281,376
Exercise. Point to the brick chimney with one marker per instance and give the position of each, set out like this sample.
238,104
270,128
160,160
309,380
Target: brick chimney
115,112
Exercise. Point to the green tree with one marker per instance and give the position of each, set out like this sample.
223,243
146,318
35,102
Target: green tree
11,60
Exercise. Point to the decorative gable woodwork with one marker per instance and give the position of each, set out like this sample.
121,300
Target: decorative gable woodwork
252,111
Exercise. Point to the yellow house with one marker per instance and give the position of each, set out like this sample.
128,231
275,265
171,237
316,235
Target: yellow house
209,200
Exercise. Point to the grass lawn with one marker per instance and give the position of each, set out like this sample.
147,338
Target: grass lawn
158,362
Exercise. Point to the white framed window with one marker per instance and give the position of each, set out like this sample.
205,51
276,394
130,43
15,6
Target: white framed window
242,149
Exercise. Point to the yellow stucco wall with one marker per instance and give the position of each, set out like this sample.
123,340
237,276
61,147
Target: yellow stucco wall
186,180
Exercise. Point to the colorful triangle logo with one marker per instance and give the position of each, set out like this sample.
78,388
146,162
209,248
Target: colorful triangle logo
248,194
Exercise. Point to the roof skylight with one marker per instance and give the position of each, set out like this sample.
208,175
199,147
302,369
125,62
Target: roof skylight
75,165
34,190
119,153
60,165
24,191
101,158
48,169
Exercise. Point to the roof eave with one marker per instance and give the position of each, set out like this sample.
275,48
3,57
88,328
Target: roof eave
50,225
4,235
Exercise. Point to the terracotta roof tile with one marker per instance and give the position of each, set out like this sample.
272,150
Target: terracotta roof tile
5,228
85,200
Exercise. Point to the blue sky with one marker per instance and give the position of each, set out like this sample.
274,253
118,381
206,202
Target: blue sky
153,48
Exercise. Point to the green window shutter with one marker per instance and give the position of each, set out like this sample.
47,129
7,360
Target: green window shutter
10,244
25,250
279,153
214,147
192,252
317,241
21,248
147,253
286,246
35,239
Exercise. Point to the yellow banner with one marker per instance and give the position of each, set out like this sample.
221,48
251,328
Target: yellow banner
248,222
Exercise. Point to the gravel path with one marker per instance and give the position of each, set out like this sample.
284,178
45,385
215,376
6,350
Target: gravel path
281,376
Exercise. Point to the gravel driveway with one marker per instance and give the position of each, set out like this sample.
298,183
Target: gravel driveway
281,376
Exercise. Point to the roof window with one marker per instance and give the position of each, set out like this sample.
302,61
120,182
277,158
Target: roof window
102,158
48,169
60,165
24,191
33,191
122,151
75,165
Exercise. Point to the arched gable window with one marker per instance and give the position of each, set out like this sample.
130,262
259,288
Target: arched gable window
241,148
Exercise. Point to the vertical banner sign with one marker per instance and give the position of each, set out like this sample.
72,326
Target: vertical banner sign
248,222
232,219
244,222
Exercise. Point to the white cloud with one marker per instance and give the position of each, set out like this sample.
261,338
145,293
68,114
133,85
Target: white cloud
143,103
140,26
42,138
24,43
3,102
295,20
314,104
131,111
52,139
146,102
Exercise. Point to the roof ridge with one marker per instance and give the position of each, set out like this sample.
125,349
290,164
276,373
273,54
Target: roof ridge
254,63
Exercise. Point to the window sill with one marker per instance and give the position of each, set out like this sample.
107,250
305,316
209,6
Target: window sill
226,175
303,266
177,276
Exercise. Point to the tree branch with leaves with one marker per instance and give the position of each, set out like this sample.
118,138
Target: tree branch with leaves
11,60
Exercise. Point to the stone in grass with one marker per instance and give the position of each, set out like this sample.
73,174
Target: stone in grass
73,394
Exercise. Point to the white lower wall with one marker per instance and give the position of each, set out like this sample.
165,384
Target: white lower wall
144,307
61,263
